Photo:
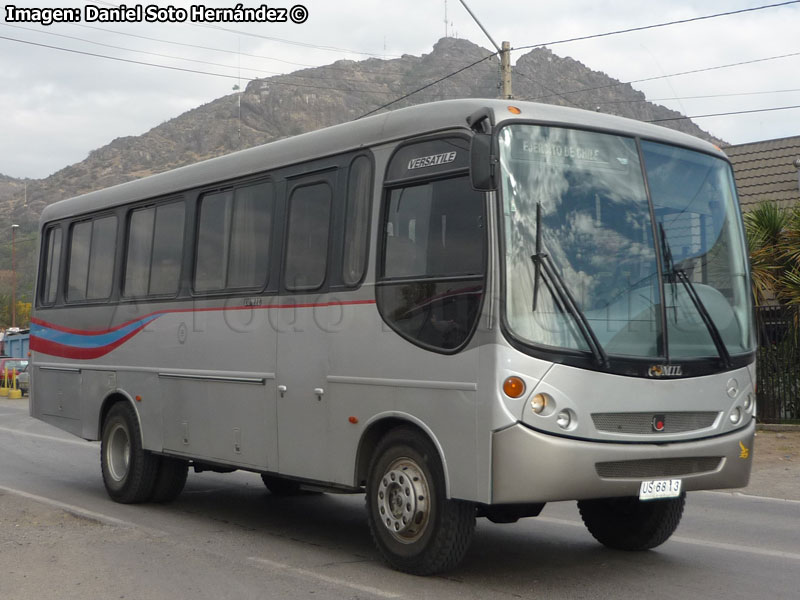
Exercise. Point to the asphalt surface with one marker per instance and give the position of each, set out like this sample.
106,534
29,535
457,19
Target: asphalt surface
227,537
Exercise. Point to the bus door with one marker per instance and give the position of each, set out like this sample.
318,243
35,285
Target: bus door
302,391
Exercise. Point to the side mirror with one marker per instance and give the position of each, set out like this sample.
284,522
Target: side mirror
482,163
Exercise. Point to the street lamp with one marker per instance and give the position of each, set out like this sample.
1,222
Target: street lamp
14,275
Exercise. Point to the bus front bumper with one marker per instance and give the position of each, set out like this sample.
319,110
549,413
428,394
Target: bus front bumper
530,466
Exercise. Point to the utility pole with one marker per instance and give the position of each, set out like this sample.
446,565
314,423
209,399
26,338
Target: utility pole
505,67
505,56
14,275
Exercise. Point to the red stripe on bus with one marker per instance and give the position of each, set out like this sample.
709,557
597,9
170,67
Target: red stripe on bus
55,349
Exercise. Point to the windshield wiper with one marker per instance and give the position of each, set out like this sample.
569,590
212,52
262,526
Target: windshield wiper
536,263
676,274
560,292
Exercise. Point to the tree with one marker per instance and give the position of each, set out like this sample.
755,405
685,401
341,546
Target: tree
774,239
23,316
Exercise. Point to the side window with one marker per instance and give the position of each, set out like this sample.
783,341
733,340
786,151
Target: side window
307,236
431,277
359,200
52,251
212,234
155,248
80,244
91,261
233,238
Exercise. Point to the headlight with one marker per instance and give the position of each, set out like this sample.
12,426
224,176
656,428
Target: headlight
538,403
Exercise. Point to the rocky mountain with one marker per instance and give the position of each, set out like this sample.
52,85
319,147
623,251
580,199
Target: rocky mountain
310,99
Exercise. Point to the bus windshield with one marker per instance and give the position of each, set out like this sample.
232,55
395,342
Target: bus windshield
585,274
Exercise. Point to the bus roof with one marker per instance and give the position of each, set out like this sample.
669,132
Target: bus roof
370,131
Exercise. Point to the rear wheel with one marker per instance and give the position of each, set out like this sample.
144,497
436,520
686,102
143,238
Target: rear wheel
630,524
171,478
415,527
129,471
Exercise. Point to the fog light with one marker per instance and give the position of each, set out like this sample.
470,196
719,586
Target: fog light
539,403
736,415
513,387
564,419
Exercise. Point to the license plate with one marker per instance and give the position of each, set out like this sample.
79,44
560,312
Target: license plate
660,488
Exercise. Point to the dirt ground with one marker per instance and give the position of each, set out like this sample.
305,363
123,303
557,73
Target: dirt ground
776,465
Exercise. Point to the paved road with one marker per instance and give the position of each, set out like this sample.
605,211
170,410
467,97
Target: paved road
226,537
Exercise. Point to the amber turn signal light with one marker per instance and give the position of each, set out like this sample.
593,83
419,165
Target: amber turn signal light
513,387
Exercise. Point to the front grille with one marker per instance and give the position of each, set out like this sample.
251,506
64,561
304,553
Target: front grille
652,468
642,423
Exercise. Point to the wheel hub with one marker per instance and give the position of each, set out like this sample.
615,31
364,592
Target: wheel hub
118,453
403,500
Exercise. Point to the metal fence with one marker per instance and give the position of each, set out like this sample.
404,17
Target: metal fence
778,363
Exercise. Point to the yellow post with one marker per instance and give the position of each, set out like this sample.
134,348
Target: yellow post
14,393
4,386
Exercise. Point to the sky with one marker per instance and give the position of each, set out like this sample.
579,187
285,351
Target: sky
57,106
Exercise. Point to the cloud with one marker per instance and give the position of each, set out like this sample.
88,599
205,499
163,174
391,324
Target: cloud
57,106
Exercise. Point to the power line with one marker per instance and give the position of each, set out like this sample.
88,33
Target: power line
277,39
170,56
703,97
197,46
693,71
173,57
426,86
225,50
270,81
126,60
185,70
726,114
555,93
294,43
656,25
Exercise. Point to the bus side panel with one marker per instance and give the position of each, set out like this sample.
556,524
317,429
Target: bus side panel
217,421
216,377
376,372
55,398
138,388
96,385
143,385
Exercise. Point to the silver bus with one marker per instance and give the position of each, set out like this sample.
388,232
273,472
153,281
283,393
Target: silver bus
462,309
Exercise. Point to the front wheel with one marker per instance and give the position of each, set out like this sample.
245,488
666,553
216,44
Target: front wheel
630,524
415,527
129,471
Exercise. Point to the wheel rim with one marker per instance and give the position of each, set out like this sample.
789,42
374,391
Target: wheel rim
118,452
403,501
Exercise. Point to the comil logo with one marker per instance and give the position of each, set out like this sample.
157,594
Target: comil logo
665,371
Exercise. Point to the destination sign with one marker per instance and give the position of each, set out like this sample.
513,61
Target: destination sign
562,150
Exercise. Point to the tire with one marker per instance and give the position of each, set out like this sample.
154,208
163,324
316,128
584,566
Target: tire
171,478
415,527
629,524
129,471
280,486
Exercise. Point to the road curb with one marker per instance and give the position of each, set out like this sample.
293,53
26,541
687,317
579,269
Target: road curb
775,427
